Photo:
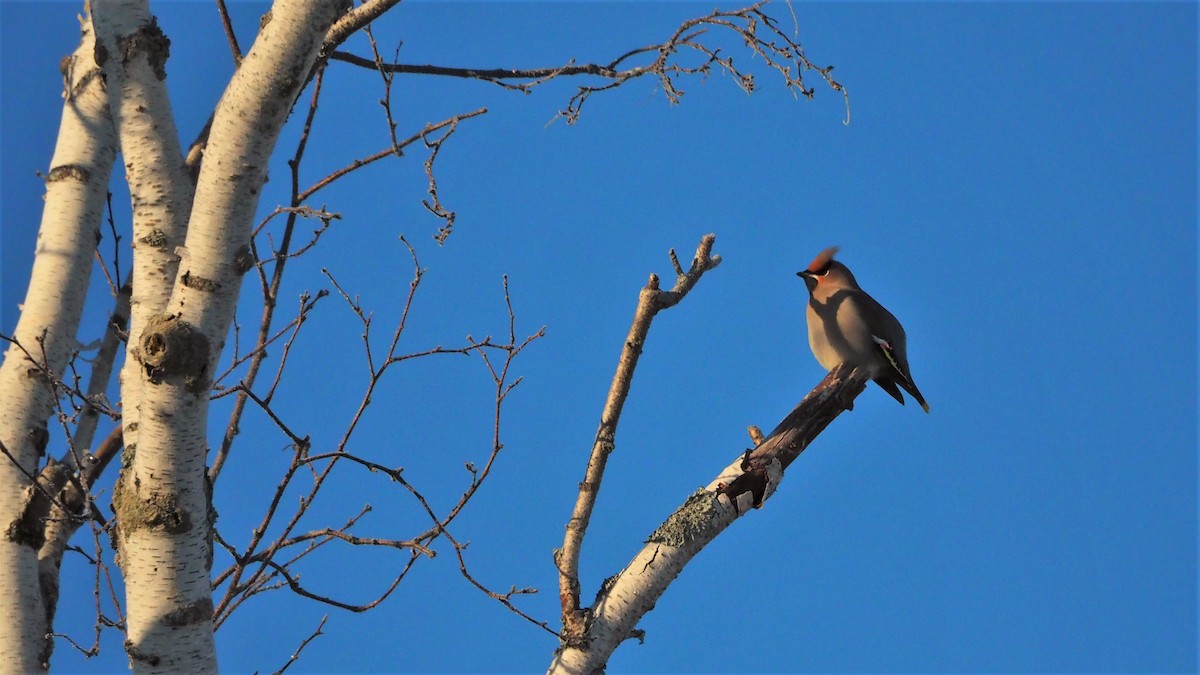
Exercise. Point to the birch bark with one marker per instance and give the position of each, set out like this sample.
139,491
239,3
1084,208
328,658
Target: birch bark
162,496
134,53
44,338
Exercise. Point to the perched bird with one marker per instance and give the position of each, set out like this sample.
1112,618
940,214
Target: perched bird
845,325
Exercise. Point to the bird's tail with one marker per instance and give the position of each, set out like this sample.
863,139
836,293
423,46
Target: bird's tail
916,393
890,387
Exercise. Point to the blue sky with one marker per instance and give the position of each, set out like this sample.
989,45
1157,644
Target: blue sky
1017,184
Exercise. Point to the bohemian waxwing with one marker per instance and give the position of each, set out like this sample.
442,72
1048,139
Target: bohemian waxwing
845,325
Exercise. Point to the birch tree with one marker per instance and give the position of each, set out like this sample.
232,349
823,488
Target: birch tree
193,241
41,344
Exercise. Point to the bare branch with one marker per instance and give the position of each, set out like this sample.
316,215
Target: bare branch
439,529
433,205
391,150
650,301
387,78
503,386
499,76
757,31
270,292
230,36
307,304
116,273
296,654
503,598
355,19
327,533
262,566
88,653
294,584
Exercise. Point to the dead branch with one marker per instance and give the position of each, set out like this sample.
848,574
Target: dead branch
834,395
745,483
651,300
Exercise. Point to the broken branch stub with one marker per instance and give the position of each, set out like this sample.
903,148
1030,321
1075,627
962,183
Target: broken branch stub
172,347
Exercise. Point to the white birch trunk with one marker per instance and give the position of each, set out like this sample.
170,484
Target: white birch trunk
161,499
135,54
76,192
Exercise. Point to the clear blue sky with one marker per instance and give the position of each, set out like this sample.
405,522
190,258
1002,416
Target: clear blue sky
1017,184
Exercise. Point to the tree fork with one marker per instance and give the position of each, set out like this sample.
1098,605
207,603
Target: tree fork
746,483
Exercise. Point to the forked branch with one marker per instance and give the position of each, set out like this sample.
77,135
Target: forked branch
625,598
650,301
271,559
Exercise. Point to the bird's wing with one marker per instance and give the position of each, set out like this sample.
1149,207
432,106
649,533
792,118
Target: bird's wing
901,375
893,358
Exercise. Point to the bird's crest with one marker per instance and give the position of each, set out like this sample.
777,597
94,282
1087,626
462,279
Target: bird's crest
822,260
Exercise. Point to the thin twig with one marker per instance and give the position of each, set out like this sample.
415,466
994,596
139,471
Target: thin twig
296,654
270,292
387,152
230,36
503,598
387,78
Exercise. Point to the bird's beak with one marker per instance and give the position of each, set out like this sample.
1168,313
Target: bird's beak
810,280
